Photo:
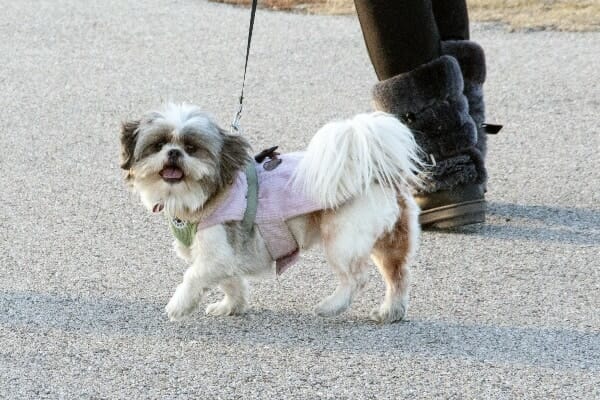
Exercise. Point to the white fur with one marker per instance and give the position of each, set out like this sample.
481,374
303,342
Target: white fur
358,170
213,263
184,115
356,226
344,158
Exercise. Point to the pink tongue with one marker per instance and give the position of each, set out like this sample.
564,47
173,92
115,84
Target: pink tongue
171,173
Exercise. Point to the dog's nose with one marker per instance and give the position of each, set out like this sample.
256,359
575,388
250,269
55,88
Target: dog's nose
174,154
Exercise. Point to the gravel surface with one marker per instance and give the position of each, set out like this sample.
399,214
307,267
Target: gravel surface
504,310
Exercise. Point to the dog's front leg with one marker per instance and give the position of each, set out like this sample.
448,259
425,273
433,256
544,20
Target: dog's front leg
188,294
235,300
201,276
211,264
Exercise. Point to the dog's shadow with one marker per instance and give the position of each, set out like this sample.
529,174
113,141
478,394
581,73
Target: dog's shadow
507,221
554,348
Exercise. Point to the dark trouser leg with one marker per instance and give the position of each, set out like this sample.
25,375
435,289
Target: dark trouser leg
400,34
452,19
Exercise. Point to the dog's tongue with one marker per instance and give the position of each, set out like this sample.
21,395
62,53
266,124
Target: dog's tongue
171,173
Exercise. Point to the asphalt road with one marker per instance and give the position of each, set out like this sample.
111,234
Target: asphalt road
504,310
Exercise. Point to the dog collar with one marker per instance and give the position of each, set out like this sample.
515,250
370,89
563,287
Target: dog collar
184,231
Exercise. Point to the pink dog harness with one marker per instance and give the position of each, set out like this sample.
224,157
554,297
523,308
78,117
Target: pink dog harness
277,203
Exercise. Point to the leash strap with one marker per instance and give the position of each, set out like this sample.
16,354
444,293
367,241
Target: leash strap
235,125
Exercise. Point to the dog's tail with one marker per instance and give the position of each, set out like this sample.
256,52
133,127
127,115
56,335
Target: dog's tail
345,158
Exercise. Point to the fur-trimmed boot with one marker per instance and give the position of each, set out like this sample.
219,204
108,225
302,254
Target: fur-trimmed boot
431,101
471,58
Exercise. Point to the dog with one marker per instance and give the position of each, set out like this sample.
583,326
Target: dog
350,191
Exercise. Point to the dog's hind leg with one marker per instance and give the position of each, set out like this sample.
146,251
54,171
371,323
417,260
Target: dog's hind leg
393,252
349,234
235,300
352,278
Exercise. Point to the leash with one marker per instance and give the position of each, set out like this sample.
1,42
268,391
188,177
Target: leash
235,124
185,231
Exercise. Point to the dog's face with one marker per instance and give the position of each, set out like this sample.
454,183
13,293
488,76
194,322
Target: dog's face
179,158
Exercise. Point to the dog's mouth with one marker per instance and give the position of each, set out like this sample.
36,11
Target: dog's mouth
172,174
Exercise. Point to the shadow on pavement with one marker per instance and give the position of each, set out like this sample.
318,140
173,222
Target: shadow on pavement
538,223
553,348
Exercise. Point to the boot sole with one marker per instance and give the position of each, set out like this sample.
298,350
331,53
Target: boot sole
454,215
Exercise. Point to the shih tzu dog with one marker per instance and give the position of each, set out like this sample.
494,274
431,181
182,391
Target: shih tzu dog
235,217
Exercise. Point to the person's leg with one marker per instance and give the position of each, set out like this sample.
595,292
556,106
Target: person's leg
426,93
452,19
400,35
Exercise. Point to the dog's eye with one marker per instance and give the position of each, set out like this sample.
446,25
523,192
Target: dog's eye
190,148
159,145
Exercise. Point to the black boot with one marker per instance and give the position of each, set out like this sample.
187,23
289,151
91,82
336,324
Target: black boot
471,58
431,101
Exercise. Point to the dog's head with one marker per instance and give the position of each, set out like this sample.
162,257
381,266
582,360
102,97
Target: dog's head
179,158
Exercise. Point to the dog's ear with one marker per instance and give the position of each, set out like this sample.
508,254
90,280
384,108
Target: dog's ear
234,155
129,133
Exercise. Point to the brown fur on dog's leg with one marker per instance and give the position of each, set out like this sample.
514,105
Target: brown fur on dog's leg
393,253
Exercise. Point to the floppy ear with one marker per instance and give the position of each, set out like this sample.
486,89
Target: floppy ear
129,133
234,155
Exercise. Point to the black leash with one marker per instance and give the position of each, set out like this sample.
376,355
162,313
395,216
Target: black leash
235,125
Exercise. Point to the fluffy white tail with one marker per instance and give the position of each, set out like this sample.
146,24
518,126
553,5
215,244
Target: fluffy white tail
345,158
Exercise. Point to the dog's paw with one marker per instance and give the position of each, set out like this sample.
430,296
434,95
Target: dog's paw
225,308
180,306
386,314
176,313
331,306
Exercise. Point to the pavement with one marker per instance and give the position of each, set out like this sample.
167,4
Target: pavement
504,310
